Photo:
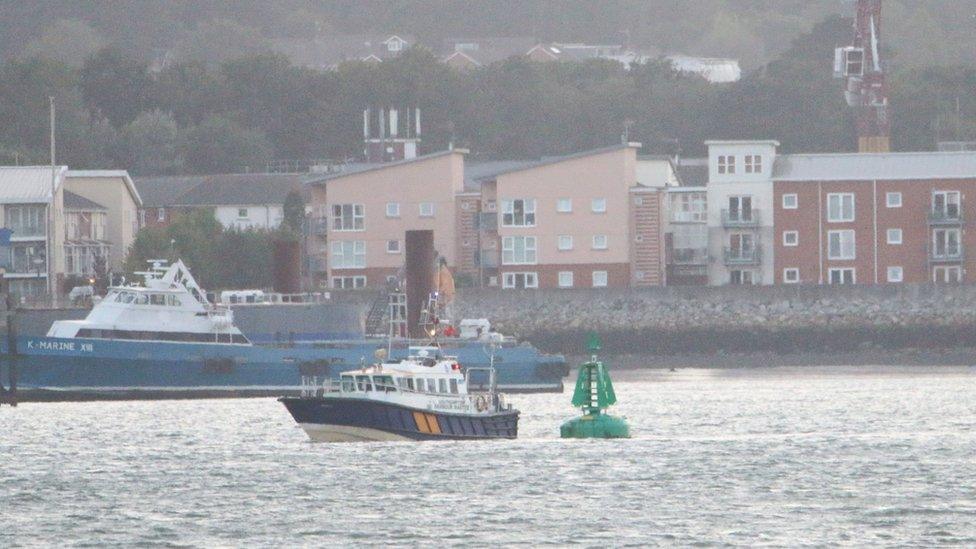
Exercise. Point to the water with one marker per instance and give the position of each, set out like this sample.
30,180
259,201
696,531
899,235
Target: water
782,456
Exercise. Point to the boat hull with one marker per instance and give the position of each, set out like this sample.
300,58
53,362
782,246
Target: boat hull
83,369
330,419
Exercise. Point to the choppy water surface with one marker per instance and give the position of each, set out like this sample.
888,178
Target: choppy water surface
782,456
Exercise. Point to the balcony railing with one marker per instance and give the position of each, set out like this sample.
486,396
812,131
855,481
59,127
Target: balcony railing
741,256
689,256
740,218
949,255
945,217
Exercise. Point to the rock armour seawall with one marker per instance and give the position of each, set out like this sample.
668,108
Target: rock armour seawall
780,319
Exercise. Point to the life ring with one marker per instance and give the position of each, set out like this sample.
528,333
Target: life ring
481,403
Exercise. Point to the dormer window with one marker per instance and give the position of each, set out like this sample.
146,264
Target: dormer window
395,44
753,163
726,164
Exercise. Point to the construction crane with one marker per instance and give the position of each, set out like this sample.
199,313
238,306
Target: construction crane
863,73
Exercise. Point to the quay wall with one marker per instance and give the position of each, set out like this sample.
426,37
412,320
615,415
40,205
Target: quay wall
690,320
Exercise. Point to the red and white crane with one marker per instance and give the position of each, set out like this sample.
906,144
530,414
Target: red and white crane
863,73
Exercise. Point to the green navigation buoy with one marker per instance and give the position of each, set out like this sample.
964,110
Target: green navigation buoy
594,394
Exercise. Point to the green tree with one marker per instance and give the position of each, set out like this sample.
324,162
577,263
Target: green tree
294,212
149,145
114,86
221,145
68,41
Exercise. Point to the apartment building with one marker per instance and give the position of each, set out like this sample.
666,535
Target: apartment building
740,216
874,218
360,215
101,209
576,221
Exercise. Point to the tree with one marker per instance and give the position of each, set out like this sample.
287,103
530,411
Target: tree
114,86
294,212
67,41
150,145
221,145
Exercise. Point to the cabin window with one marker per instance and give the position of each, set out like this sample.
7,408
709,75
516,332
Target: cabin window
420,385
363,383
431,385
142,299
410,383
347,385
157,299
454,387
173,301
384,383
442,385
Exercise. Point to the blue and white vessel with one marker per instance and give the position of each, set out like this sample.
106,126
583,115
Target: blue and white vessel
164,339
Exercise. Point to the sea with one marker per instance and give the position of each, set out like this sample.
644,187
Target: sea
879,456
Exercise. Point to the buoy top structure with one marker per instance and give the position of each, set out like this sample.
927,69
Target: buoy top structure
593,395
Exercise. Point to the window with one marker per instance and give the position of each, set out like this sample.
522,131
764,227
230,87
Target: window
599,242
420,385
840,244
947,275
742,246
790,201
564,205
348,254
945,244
347,217
598,205
726,164
160,214
893,200
518,250
840,207
894,236
791,238
740,209
565,242
599,279
688,207
392,209
242,213
348,282
392,246
426,209
565,279
791,275
454,387
519,212
842,276
520,280
442,385
753,163
738,277
394,45
26,220
895,274
945,204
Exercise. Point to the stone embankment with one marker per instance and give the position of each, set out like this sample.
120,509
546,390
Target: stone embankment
782,319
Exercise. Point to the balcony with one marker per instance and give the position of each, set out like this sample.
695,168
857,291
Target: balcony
740,218
952,254
689,256
741,256
945,217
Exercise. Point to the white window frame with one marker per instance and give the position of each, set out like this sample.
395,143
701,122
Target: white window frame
598,205
795,199
160,214
426,209
600,242
564,205
564,242
353,258
899,277
839,217
753,163
956,201
565,279
832,270
890,199
355,222
946,233
796,239
941,272
600,279
791,275
840,234
510,215
726,164
743,275
392,209
890,236
395,249
529,250
357,281
531,280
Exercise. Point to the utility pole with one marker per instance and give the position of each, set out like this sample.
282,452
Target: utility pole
49,254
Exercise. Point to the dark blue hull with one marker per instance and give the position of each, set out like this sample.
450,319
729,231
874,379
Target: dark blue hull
95,367
329,419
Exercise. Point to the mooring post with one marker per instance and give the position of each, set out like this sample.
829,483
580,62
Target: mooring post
8,393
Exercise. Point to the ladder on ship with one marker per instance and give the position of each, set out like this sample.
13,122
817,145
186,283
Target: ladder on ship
374,318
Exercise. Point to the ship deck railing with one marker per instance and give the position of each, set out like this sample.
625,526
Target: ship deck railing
312,387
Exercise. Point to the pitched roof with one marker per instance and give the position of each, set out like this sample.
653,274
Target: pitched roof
109,174
326,53
547,160
218,190
476,172
354,168
28,184
487,50
693,172
74,201
870,166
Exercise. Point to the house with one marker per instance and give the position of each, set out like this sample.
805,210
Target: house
686,227
713,69
239,201
329,52
470,53
86,241
28,196
112,197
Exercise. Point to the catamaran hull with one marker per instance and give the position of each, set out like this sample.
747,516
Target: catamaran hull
81,369
328,419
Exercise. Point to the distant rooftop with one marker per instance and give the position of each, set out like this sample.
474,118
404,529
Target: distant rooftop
28,184
217,190
887,166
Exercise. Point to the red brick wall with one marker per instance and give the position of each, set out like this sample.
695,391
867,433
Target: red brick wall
466,232
646,239
618,274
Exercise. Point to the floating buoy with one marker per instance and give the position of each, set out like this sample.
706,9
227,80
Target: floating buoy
593,395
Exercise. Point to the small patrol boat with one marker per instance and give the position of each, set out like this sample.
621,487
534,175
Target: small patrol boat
422,397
